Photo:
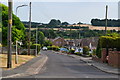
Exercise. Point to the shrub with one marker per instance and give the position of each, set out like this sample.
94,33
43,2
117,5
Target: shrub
78,53
49,47
109,41
71,51
33,46
85,50
55,48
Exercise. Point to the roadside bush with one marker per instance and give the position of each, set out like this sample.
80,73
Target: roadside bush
55,48
33,46
85,50
71,51
94,52
109,41
78,53
49,47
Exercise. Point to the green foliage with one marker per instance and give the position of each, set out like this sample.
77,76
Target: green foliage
17,28
71,51
78,53
33,46
86,50
55,48
111,23
47,43
109,41
54,23
41,37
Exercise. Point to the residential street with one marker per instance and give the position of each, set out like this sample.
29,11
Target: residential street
63,66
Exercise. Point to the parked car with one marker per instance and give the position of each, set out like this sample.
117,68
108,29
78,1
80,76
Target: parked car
44,48
79,50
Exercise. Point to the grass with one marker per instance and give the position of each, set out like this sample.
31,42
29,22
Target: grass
21,60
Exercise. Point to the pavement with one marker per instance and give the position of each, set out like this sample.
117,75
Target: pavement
30,68
99,65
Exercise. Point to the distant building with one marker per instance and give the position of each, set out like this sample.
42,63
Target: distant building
59,42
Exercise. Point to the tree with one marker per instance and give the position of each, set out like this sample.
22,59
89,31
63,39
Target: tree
41,38
47,43
65,23
54,23
18,28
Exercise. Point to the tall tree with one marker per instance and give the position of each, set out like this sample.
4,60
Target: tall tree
18,28
41,38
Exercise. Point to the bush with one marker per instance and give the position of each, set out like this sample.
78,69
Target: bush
78,53
109,41
55,48
49,47
47,43
33,46
85,50
71,51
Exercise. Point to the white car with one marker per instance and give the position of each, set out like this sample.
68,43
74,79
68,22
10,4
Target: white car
44,48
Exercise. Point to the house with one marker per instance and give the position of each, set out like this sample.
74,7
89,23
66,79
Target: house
90,42
59,42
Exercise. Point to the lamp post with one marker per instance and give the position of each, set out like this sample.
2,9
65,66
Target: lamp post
19,7
16,56
9,60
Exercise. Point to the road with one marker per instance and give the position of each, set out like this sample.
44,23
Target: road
63,66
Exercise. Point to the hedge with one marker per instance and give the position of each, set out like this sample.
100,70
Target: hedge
107,42
110,42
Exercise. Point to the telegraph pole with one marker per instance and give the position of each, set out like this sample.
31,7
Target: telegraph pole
36,41
9,60
29,36
106,19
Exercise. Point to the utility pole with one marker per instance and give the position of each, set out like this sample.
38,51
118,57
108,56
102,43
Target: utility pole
36,41
29,36
9,60
106,19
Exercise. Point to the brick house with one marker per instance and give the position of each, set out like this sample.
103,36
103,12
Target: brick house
59,42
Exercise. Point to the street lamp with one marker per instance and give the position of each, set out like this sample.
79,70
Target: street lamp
16,56
19,7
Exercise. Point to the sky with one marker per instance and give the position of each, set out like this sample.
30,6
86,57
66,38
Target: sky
69,11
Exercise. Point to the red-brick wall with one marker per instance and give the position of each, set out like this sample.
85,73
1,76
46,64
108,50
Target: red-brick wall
114,58
103,55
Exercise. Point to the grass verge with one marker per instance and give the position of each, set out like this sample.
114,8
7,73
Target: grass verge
21,60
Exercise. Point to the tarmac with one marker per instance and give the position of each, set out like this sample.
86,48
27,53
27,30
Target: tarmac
30,68
35,65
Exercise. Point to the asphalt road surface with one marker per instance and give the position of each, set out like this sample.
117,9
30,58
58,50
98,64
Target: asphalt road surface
63,66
